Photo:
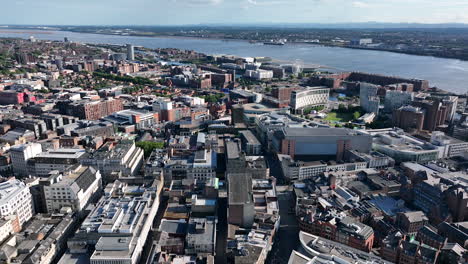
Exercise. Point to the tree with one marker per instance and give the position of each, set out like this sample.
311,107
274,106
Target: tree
149,146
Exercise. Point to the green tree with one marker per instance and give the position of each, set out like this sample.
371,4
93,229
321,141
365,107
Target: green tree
149,146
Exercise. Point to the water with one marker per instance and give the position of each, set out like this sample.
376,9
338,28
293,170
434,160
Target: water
448,74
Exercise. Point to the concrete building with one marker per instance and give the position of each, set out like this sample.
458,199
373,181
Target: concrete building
117,228
21,154
201,236
73,189
54,160
123,156
320,143
402,147
369,99
449,147
15,199
130,52
397,99
309,97
241,209
259,74
141,119
250,143
200,166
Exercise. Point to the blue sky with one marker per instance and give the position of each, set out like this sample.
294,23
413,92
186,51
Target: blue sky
172,12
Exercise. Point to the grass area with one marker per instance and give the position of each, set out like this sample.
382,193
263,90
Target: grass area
339,117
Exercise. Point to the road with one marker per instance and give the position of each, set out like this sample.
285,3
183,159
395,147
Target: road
221,232
287,238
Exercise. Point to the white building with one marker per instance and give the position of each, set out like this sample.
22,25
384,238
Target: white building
369,99
54,160
21,154
15,199
310,97
397,99
123,156
73,189
259,74
449,147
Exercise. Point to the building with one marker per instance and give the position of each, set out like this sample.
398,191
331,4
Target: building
123,156
369,99
449,147
309,97
408,118
73,189
90,110
241,209
15,199
411,222
200,166
259,74
130,52
115,231
435,113
319,143
54,160
397,99
21,154
140,119
402,147
201,236
250,143
42,241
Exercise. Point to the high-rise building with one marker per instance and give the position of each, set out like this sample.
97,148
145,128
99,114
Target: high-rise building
369,99
130,52
397,99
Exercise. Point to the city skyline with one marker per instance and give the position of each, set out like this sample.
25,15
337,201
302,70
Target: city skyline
184,12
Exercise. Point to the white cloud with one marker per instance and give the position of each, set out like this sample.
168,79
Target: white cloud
360,4
200,2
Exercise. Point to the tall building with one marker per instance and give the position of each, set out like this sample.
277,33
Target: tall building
309,97
397,99
369,99
91,110
130,52
408,118
21,154
435,113
15,199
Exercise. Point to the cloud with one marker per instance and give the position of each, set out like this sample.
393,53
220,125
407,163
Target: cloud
199,2
360,4
266,2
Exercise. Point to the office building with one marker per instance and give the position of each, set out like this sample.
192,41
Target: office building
16,200
130,52
320,143
397,99
369,97
402,147
73,189
449,147
140,119
54,160
90,110
123,156
309,97
20,154
116,229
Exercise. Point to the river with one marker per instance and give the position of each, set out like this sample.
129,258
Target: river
448,74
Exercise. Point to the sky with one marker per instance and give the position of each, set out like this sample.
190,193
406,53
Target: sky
183,12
